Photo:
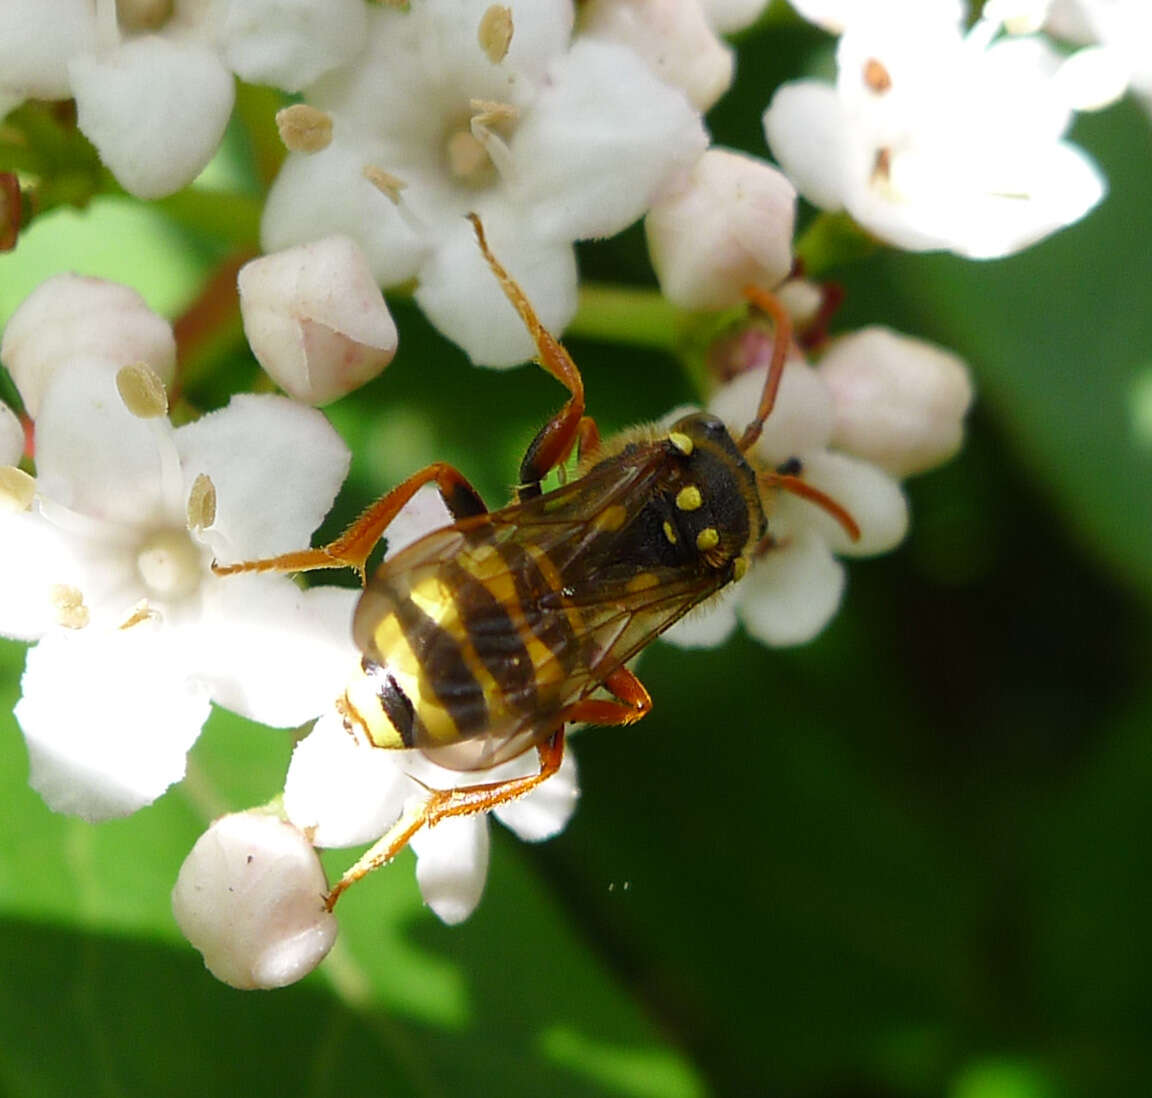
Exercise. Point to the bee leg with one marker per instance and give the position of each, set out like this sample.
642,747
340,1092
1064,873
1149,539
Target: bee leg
444,803
556,438
351,548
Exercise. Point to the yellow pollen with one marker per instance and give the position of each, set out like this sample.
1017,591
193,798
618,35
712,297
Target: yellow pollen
708,538
304,129
669,533
142,391
495,32
68,603
201,509
385,182
682,442
689,499
17,490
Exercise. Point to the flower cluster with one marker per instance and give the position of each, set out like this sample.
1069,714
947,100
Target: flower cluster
554,125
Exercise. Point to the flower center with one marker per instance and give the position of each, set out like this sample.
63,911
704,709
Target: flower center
475,147
169,563
468,161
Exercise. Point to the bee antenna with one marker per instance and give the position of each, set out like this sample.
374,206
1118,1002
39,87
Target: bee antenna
782,323
822,500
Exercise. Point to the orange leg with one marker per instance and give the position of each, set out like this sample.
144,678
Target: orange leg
555,440
351,548
634,702
782,344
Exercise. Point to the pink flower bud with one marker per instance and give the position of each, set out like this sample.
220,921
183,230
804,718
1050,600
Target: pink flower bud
250,897
72,318
316,320
727,226
900,402
673,37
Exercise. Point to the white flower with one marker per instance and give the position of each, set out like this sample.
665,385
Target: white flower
900,402
75,319
934,139
154,86
250,897
344,793
673,37
548,143
730,16
11,436
726,225
108,566
793,590
1123,29
316,320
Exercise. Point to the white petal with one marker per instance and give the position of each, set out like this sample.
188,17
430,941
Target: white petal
37,37
109,717
727,226
322,193
673,37
801,419
900,402
544,812
460,295
270,651
602,139
452,865
811,138
792,592
708,627
730,16
94,456
250,898
316,319
11,436
276,467
34,559
155,108
71,317
290,43
873,498
341,791
423,513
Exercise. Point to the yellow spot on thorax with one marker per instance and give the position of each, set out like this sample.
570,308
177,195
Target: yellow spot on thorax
682,442
708,538
689,498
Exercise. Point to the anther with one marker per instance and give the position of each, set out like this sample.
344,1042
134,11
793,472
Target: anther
689,499
17,490
495,32
304,129
142,391
876,76
68,604
385,182
201,509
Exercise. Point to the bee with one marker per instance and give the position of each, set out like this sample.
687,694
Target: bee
486,638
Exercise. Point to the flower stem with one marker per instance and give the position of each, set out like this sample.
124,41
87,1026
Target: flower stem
626,314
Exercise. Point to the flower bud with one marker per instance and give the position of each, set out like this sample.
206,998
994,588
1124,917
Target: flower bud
729,225
11,436
316,319
73,318
900,402
250,897
674,39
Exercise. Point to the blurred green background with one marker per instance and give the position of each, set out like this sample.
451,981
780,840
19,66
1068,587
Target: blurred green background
910,859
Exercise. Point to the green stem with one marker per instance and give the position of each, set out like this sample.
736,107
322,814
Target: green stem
832,240
626,314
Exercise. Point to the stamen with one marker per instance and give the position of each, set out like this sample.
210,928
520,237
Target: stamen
17,490
141,613
142,391
385,182
201,510
495,32
876,76
304,129
68,604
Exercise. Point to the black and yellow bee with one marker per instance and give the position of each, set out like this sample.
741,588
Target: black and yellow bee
485,638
